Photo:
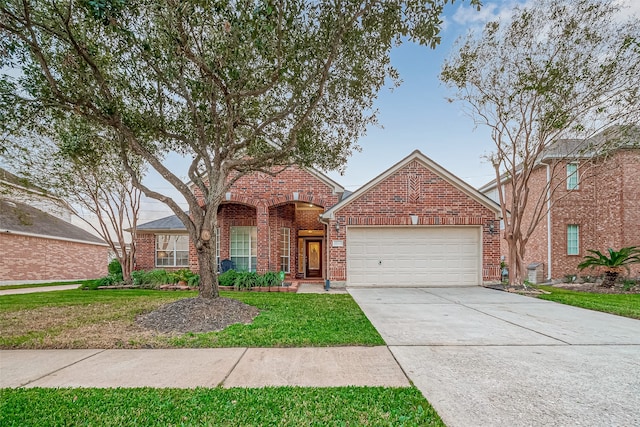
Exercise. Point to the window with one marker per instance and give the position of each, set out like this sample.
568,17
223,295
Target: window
285,249
573,182
573,240
172,250
244,247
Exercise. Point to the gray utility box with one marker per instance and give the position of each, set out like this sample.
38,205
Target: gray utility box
535,272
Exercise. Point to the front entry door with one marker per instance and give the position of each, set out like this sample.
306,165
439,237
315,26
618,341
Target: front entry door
314,258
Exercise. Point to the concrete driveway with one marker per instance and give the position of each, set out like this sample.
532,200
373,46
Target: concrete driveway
490,358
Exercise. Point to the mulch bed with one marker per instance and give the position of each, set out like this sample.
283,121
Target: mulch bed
198,315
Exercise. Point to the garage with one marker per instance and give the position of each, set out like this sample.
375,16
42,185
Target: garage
414,256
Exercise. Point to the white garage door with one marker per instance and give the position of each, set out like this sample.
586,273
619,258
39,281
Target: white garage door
413,256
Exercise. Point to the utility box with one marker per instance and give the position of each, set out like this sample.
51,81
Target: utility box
535,272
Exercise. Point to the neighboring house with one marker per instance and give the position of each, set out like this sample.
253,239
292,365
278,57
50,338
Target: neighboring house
415,224
36,246
596,205
21,190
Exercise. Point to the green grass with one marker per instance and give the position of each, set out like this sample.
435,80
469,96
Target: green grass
103,319
281,406
41,285
292,320
627,305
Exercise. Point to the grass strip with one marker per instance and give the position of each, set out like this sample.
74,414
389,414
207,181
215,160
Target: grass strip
282,406
627,305
105,319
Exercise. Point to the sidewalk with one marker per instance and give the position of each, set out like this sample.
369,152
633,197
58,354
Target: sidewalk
38,289
190,368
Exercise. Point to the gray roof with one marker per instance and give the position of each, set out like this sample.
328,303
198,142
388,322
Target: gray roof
609,140
21,218
163,224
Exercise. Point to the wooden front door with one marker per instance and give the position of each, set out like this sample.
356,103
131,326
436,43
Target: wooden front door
314,258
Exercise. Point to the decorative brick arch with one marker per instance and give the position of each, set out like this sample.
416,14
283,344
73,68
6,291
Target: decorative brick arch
283,200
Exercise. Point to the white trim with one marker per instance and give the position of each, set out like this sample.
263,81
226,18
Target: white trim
174,250
43,236
429,164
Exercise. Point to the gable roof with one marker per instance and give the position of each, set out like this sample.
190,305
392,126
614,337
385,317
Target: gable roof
21,218
427,163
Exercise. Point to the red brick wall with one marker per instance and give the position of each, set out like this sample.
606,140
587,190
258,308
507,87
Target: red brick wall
415,190
35,258
267,202
606,207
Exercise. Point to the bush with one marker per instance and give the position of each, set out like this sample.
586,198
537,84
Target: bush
271,278
114,268
183,275
228,278
194,281
151,279
246,280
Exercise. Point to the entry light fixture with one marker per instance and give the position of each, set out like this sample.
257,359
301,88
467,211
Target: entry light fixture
492,226
337,226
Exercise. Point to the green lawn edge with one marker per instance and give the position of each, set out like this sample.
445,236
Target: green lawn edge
281,406
626,305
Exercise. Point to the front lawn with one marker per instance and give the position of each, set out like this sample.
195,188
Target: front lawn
627,305
106,319
281,406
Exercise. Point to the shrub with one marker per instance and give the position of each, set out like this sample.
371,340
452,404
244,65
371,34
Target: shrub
150,279
183,275
613,262
194,281
228,278
246,280
114,268
271,278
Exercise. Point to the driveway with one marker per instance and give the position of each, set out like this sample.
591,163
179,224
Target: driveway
489,358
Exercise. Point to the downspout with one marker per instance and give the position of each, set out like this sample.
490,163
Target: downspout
548,222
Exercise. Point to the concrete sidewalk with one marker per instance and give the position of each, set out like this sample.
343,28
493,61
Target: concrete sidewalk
189,368
38,289
489,358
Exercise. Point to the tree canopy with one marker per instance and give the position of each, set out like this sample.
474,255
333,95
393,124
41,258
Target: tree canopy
555,69
238,86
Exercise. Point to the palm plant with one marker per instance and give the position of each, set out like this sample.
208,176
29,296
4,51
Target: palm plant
612,263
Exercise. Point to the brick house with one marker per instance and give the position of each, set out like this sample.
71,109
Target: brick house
38,241
415,224
36,246
596,205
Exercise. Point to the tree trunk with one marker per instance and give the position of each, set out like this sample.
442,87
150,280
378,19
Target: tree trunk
208,270
516,262
609,278
127,266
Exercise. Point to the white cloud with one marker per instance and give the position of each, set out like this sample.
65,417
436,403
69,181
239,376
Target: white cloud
467,15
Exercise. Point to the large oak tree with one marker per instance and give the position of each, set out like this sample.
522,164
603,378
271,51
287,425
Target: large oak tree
556,69
238,86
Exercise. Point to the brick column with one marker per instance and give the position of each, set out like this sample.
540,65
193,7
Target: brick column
262,222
